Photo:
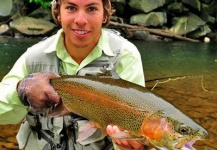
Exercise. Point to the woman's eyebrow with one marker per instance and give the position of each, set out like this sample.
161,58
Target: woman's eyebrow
91,4
71,3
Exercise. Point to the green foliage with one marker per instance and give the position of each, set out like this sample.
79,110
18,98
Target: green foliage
43,3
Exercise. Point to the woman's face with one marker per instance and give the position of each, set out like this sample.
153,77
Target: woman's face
81,21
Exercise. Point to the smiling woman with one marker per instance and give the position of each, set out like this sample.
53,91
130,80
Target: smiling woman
81,47
82,22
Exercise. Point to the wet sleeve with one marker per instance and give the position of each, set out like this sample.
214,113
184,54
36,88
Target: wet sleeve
130,65
12,111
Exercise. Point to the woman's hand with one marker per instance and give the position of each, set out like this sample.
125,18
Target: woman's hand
123,144
36,91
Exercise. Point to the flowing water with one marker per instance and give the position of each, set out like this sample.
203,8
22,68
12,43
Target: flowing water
184,73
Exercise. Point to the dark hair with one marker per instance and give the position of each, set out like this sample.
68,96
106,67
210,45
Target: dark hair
108,11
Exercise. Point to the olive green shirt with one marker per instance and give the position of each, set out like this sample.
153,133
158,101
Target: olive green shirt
129,68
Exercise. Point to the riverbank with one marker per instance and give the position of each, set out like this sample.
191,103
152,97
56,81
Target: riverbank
159,20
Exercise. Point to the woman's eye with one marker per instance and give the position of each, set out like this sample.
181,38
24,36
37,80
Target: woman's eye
71,8
92,9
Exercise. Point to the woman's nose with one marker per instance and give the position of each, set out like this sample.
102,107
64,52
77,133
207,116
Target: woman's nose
80,19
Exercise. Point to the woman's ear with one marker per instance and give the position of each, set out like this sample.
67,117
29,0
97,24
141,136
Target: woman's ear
58,18
105,19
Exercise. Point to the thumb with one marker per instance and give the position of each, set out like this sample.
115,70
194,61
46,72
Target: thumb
53,75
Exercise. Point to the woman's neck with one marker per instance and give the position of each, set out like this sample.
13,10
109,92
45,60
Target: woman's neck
78,54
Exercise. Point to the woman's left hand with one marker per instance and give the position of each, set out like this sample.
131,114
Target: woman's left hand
123,144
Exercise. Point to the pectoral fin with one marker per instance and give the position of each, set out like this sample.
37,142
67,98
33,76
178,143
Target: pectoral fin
87,130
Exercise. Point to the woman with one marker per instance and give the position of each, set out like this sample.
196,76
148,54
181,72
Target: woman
80,47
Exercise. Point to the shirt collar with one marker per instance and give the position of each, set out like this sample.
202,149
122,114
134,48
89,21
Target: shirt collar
103,43
56,43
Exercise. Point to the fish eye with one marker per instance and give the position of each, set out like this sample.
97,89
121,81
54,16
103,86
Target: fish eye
184,129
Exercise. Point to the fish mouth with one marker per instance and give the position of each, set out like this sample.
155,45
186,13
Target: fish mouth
188,146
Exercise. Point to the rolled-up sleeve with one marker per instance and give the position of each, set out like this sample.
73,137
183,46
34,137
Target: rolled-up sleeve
12,111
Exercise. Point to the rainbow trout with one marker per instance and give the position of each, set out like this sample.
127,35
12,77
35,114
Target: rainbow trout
146,116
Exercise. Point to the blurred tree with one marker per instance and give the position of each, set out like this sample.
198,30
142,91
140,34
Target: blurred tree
43,3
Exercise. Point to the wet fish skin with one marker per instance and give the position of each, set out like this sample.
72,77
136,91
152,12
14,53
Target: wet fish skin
131,107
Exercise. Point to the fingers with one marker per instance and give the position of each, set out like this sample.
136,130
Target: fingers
111,130
130,145
123,144
52,96
37,110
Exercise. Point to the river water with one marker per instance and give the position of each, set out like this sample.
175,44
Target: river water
183,73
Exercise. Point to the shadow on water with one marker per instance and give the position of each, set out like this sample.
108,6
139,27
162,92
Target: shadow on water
10,51
197,62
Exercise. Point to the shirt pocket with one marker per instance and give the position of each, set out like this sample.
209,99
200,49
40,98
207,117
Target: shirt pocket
28,139
23,134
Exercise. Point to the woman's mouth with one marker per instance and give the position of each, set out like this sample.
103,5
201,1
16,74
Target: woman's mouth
81,32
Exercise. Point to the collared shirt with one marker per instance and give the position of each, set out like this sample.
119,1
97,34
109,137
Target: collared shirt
129,68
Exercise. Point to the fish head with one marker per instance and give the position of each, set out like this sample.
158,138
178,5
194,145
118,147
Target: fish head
186,134
166,133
